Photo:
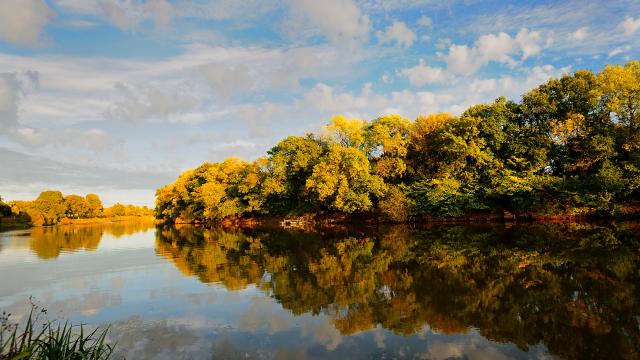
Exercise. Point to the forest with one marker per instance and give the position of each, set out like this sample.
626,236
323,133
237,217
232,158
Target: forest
570,146
52,207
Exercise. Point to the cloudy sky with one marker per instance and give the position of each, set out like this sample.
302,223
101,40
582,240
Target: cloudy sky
119,96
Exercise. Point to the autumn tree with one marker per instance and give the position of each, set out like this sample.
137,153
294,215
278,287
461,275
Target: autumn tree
288,166
388,145
76,207
568,146
95,208
342,181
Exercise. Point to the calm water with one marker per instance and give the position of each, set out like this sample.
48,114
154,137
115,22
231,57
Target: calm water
475,292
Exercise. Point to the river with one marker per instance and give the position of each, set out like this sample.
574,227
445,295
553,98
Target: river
437,292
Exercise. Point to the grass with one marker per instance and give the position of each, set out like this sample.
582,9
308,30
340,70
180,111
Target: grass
50,339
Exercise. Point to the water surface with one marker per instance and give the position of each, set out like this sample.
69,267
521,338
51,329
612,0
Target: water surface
475,292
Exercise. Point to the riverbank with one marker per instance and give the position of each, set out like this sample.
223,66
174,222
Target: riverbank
624,212
112,219
17,223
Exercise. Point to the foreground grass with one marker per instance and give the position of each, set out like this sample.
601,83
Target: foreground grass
50,339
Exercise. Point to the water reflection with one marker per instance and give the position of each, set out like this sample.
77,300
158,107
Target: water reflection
572,287
48,242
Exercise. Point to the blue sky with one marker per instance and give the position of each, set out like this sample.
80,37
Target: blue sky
119,96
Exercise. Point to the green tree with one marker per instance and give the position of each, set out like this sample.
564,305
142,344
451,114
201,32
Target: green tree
289,164
342,181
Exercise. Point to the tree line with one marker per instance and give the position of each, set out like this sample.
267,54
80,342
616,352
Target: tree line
569,146
51,207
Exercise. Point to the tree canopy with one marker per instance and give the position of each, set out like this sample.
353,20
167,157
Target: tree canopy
51,207
569,146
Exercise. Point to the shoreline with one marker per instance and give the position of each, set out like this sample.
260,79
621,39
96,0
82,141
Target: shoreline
630,213
11,223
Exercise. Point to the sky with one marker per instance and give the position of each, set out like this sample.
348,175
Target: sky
117,97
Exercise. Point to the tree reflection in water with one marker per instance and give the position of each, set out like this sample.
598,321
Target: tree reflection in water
572,287
47,242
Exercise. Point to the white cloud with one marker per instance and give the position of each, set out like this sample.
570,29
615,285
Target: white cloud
513,87
580,34
530,43
78,90
326,99
22,21
337,20
463,60
422,74
425,21
140,103
630,25
455,98
619,50
399,33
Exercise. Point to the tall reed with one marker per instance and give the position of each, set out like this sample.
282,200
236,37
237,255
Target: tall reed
43,339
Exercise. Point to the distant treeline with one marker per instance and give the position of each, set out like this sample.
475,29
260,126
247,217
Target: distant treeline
570,146
51,207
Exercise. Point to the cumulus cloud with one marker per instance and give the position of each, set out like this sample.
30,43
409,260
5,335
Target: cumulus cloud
327,99
580,34
500,47
455,98
22,21
399,33
630,25
337,20
423,74
513,87
463,60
